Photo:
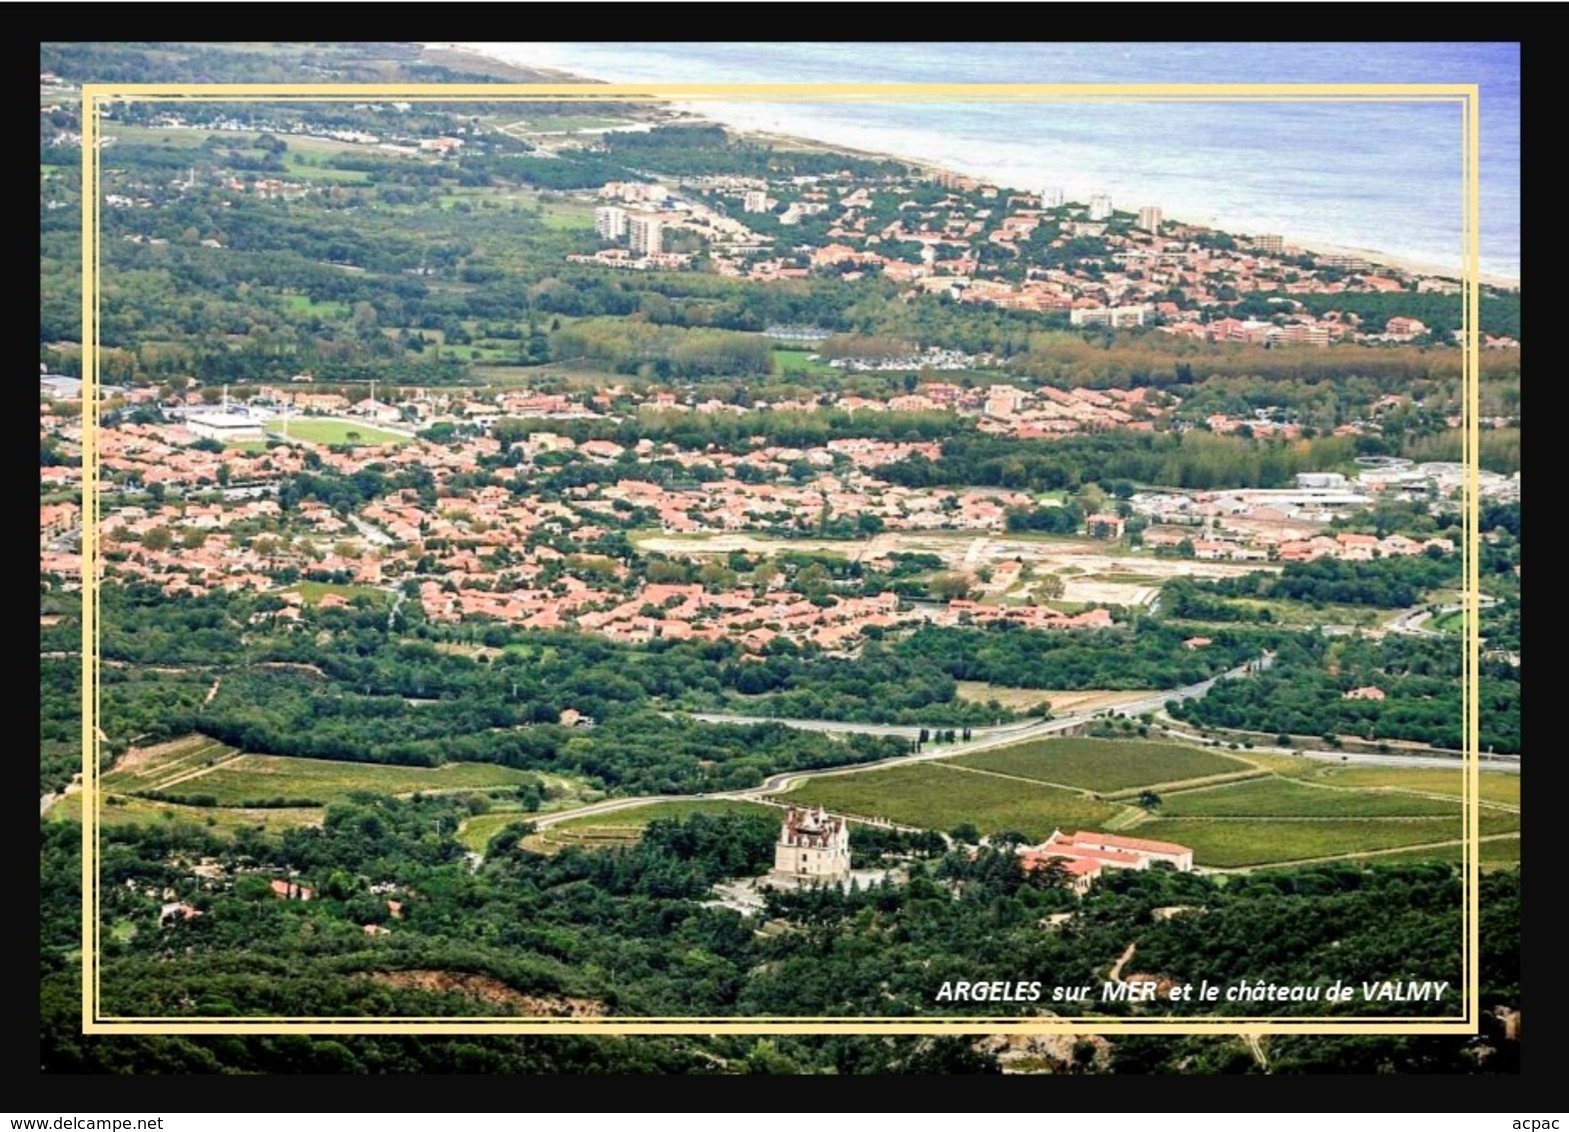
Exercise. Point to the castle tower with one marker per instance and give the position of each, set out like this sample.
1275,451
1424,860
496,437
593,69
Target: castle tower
813,848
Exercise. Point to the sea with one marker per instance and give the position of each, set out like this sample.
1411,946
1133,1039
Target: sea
1377,176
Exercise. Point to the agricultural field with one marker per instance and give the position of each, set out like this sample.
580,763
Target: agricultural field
251,778
1241,842
1105,765
1282,797
1497,786
319,431
934,796
1500,852
609,830
119,810
153,768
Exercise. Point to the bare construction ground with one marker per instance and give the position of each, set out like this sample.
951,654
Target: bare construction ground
1093,571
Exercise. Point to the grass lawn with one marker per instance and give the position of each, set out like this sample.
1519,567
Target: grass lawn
799,361
305,305
1281,797
313,592
334,432
934,796
617,828
140,811
252,778
1104,764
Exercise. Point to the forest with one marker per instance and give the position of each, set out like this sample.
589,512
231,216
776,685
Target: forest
626,932
1394,582
1305,691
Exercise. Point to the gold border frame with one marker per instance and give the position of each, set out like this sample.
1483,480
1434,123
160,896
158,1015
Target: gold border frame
1465,95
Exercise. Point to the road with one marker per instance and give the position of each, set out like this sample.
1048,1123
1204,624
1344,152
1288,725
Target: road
1413,621
66,542
1508,764
370,533
983,738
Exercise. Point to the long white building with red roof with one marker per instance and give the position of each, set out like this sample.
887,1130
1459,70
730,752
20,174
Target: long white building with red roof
1085,854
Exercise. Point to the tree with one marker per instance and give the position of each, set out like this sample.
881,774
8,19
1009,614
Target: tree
159,538
949,586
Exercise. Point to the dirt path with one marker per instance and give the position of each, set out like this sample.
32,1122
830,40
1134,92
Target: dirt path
1116,968
213,691
186,776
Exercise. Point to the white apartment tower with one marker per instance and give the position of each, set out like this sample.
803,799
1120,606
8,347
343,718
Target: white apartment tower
1100,207
610,222
755,201
645,233
1051,196
1150,218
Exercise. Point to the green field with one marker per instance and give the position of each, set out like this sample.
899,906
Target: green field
313,592
934,796
1104,765
1492,786
1502,853
1282,797
305,305
1236,843
251,778
605,831
318,431
140,811
799,361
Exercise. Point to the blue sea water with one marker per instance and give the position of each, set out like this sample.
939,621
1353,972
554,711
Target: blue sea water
1378,176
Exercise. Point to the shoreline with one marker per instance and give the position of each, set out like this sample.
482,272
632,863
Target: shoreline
692,112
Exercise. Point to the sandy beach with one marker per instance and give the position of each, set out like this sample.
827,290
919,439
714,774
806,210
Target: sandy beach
1401,263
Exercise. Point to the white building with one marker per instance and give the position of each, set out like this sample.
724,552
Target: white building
1108,316
755,201
1108,851
1150,218
1100,207
645,233
227,427
610,222
812,848
1051,196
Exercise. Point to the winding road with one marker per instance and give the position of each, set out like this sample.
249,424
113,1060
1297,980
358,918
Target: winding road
982,738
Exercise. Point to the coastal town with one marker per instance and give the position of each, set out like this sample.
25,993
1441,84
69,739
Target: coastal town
578,560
